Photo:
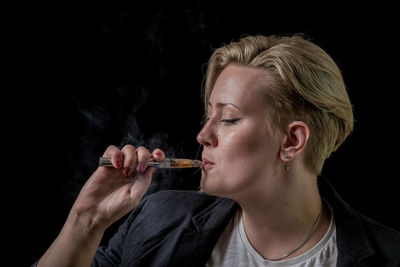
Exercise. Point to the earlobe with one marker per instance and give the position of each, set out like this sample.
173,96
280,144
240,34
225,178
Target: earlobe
295,140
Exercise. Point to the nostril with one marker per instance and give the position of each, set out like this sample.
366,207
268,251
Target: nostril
207,140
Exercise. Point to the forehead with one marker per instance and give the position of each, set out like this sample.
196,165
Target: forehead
239,85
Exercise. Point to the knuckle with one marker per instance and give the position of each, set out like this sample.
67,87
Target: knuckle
110,150
128,147
111,147
143,153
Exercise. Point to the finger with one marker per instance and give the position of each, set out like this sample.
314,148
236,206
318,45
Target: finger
115,154
141,184
158,154
129,161
143,157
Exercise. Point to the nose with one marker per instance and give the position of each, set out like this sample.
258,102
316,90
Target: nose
207,136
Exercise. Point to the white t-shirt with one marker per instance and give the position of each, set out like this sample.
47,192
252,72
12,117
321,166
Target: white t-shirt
234,249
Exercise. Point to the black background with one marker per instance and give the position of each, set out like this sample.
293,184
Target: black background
109,72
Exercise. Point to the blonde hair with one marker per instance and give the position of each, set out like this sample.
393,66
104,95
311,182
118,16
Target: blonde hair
302,83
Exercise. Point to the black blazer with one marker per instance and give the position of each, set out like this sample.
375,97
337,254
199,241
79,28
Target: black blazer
181,228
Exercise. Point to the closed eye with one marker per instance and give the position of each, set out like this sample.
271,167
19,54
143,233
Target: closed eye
230,121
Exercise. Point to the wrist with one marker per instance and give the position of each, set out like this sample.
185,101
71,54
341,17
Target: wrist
85,223
76,244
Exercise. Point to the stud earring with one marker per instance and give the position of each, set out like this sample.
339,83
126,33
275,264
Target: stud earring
286,166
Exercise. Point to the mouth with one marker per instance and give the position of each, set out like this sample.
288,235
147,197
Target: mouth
207,164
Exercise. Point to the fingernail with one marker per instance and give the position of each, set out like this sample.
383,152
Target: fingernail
159,154
141,167
118,164
126,170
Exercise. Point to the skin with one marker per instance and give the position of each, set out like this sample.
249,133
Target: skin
108,194
278,206
236,137
245,163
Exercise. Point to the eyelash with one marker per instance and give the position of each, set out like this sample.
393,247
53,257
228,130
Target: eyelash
223,120
229,121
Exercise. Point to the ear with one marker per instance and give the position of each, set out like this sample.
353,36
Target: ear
294,140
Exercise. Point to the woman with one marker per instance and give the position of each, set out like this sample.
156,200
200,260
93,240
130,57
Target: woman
276,108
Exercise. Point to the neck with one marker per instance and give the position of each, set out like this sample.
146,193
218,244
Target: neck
278,221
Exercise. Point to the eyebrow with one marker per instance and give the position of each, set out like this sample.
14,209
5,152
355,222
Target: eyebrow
222,104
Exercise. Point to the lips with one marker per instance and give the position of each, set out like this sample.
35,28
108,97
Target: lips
207,164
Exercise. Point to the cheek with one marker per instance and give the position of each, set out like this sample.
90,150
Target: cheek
247,143
243,152
244,158
233,146
257,148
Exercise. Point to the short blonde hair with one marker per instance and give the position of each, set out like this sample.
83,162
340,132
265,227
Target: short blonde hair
302,83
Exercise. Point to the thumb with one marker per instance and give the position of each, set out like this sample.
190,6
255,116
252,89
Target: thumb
141,183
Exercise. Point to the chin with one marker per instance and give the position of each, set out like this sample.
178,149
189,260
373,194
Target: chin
207,186
210,187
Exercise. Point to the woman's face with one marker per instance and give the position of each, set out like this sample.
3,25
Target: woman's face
239,150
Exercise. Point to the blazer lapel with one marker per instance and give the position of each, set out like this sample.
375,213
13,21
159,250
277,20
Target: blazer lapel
196,243
352,241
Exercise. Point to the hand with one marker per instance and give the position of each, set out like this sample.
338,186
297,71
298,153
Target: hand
110,193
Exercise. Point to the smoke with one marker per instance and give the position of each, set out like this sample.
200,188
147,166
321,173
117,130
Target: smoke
134,54
92,121
101,128
137,136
